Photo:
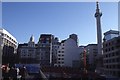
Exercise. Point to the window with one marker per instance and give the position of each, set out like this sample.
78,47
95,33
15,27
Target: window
2,34
113,54
106,66
62,58
106,55
109,60
117,53
41,57
117,60
112,48
47,38
110,66
113,60
106,45
109,49
113,66
105,50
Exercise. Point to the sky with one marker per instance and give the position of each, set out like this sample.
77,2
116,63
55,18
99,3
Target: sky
23,19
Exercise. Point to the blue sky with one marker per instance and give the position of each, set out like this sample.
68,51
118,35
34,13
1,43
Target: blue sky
22,19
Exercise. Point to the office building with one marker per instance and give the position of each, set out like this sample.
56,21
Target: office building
68,53
46,43
8,45
27,52
91,53
111,58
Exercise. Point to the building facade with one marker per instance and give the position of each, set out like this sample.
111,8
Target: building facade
111,59
43,53
46,49
61,53
88,57
8,45
27,52
91,53
68,52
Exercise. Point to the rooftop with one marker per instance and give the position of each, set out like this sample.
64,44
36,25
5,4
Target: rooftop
111,32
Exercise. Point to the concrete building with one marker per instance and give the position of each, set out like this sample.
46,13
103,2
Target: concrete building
68,53
8,45
47,52
111,59
110,34
27,52
74,37
43,53
7,39
81,50
91,53
55,46
61,53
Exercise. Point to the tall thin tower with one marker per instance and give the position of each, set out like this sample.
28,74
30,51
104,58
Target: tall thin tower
98,15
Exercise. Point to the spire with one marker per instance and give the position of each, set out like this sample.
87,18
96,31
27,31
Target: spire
97,5
32,38
98,13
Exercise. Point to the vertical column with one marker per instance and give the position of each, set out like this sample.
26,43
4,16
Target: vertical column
99,31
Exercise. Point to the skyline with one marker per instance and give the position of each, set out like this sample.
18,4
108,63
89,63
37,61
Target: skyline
68,16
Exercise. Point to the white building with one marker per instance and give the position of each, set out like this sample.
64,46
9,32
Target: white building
8,46
7,39
60,53
68,53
